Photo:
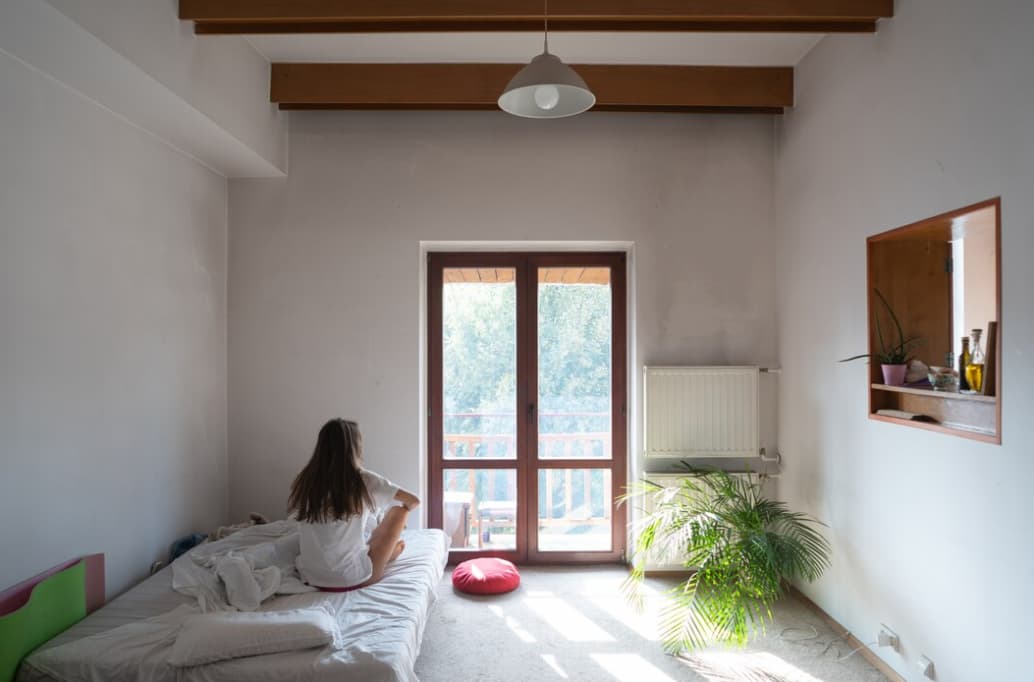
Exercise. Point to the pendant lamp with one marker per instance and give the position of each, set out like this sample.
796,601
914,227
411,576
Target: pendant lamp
546,88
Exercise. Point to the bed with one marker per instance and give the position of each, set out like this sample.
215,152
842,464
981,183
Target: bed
381,627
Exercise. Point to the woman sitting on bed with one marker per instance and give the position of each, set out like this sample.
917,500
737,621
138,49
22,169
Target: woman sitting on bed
337,503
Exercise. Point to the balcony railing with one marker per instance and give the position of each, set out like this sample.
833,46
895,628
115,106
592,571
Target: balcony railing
503,446
486,518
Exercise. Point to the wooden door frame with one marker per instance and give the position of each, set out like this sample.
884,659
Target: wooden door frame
527,464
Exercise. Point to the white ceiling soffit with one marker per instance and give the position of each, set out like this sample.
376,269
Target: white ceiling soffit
704,49
44,39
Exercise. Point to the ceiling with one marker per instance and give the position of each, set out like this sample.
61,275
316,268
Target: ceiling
716,49
684,56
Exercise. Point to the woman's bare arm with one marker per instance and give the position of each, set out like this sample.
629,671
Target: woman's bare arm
408,499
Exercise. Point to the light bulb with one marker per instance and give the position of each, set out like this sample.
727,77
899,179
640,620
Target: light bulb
547,97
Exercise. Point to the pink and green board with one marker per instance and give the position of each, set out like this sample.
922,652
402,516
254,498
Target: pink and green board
38,609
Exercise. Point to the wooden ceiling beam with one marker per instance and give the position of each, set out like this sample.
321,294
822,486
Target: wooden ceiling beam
582,25
375,16
477,86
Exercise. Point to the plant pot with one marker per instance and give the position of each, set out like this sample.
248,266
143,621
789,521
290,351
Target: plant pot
894,375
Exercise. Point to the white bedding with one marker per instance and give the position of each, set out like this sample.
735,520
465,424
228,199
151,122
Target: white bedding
381,629
243,570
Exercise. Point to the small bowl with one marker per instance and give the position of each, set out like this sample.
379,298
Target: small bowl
943,379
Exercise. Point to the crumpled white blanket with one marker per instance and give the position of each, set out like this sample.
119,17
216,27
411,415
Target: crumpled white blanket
235,573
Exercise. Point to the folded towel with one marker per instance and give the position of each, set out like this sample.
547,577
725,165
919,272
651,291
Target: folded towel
211,637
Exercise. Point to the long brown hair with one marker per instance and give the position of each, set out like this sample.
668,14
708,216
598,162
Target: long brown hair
330,486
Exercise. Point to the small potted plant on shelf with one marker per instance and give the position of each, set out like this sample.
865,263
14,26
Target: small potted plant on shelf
893,358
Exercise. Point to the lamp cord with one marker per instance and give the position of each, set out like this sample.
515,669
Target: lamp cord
545,26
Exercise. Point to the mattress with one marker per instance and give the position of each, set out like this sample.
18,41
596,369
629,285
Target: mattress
382,626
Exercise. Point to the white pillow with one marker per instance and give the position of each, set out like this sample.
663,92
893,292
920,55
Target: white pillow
211,637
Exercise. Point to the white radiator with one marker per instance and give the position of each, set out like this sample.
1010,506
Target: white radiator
700,412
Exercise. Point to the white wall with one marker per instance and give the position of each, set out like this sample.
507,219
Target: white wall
931,531
325,265
112,336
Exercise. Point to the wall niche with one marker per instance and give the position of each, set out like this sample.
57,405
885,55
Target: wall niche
941,277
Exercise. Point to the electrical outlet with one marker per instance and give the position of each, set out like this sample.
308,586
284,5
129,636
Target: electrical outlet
887,637
925,666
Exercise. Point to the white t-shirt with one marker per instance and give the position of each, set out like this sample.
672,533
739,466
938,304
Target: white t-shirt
334,554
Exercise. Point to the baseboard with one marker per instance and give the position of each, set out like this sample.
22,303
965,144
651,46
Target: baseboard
863,651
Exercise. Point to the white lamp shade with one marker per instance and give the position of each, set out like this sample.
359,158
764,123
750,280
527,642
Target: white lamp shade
546,88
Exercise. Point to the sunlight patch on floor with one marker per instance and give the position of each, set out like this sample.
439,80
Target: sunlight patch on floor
617,607
513,624
743,666
607,595
611,586
567,620
551,661
630,668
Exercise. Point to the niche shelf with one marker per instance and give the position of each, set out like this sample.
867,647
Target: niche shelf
964,414
914,268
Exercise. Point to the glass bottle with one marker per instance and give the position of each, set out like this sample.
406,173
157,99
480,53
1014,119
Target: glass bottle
975,368
963,363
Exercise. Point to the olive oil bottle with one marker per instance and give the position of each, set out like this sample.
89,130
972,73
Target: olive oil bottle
975,368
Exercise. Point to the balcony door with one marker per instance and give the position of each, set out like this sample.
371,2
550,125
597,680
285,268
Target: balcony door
526,406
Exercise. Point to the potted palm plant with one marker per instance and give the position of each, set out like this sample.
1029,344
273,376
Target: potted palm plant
743,549
893,358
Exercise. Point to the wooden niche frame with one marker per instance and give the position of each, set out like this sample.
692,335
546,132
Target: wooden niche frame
905,264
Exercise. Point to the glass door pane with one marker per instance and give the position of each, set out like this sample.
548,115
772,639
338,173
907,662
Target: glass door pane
479,363
574,510
480,508
574,363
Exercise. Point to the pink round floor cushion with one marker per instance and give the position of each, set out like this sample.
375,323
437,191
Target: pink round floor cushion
486,576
